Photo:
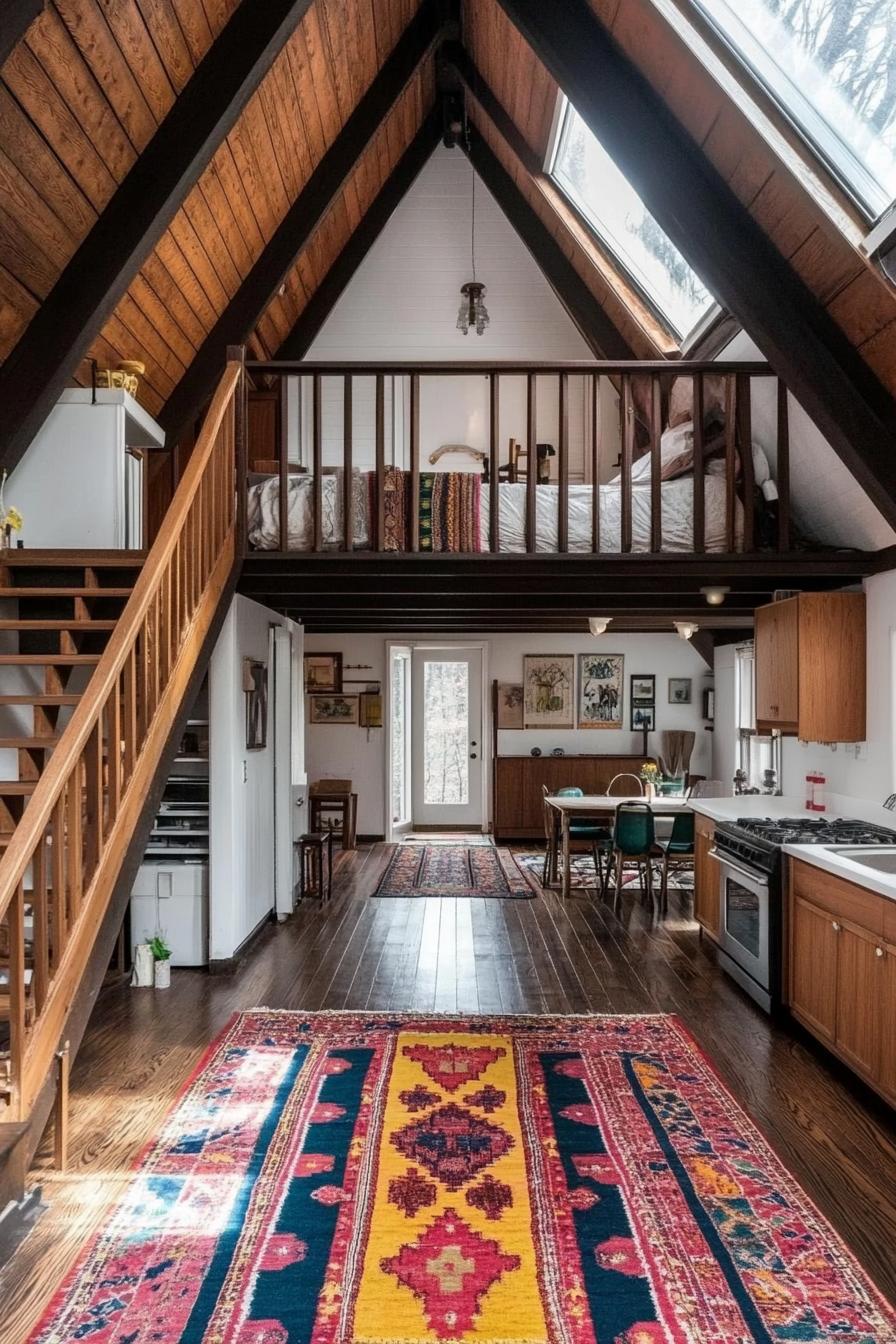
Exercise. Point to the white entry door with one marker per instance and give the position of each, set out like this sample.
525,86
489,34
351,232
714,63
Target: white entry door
447,737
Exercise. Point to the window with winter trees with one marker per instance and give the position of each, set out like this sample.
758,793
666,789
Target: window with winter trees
831,67
584,171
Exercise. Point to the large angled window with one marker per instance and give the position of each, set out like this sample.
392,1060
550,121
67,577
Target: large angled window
583,170
831,67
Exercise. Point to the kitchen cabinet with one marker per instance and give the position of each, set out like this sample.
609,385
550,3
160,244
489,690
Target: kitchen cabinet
842,971
810,667
707,900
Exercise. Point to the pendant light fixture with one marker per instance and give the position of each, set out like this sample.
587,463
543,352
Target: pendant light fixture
473,312
598,624
686,629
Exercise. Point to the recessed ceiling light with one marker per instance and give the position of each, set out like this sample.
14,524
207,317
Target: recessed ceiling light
715,594
598,624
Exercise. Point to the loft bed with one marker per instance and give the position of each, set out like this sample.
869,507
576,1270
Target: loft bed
689,477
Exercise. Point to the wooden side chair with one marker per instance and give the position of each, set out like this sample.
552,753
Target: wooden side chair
598,835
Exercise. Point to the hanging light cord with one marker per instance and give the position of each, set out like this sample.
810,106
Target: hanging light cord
473,226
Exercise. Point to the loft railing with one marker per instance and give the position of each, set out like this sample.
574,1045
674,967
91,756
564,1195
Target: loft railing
282,451
66,853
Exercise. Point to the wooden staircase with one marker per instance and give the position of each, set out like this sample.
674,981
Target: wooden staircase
99,656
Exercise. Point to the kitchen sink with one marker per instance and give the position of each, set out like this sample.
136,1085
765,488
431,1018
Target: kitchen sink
881,858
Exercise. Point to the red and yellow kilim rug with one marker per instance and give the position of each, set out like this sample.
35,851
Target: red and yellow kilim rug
343,1179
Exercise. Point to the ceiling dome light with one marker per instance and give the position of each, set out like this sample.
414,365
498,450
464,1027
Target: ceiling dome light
716,594
686,629
598,624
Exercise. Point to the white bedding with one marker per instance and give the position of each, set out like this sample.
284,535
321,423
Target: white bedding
677,510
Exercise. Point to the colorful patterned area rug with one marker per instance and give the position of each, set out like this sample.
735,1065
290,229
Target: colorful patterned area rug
582,876
366,1179
454,870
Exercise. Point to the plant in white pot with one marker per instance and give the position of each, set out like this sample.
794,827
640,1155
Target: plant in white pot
162,960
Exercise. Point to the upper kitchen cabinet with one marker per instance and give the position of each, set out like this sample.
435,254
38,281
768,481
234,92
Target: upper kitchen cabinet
810,667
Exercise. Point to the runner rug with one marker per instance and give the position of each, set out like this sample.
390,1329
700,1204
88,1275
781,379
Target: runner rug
453,870
355,1179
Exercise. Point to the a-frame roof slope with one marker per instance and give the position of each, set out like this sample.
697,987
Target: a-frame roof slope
272,213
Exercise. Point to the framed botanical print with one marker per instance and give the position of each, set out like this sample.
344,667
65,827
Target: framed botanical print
680,690
334,709
643,690
510,704
323,672
548,686
601,690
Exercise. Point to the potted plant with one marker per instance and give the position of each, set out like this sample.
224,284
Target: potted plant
162,961
649,778
10,518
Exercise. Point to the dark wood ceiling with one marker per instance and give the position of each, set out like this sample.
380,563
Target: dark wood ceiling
85,90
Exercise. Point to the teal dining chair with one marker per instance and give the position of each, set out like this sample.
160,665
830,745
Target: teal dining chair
597,834
678,851
634,842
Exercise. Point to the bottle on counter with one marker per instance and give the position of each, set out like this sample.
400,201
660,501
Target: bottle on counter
816,781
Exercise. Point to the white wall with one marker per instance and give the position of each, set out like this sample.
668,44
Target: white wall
402,305
338,751
724,735
241,878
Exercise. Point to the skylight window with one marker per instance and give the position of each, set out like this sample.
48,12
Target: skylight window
830,66
582,169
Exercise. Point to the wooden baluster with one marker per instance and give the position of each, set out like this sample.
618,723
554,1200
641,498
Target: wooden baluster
783,469
730,465
58,870
74,847
379,521
531,464
656,469
93,803
284,465
563,464
129,706
595,462
317,452
494,502
744,421
15,916
628,451
348,496
113,751
40,943
699,537
239,488
415,462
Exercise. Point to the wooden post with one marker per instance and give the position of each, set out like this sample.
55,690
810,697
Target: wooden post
595,462
656,469
628,449
60,1109
237,353
783,469
380,462
284,464
348,492
493,500
744,421
730,465
531,464
317,449
563,465
415,462
699,540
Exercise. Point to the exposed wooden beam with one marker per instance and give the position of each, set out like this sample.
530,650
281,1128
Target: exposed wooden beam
716,233
16,17
302,218
60,333
594,324
339,276
455,54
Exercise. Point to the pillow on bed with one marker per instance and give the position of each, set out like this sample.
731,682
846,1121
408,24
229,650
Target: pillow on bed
676,455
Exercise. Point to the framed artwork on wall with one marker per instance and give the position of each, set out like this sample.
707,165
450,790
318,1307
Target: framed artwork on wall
601,690
255,687
510,705
334,709
548,686
680,690
643,717
323,672
643,690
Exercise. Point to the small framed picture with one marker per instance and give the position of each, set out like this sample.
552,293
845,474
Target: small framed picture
709,703
679,690
334,709
510,704
255,688
643,718
643,690
323,672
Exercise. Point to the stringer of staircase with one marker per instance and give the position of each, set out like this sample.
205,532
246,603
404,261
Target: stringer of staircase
68,847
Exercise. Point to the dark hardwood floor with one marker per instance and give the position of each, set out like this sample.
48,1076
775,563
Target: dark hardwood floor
485,956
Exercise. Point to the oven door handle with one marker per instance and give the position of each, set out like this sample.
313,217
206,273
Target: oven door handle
756,878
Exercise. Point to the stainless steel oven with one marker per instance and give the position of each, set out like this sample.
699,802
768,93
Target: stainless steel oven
745,898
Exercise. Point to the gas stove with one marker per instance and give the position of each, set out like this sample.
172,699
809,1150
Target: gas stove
758,840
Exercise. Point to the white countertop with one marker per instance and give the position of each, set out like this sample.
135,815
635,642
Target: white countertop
820,856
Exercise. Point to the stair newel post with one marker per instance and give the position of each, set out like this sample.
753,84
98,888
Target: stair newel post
236,354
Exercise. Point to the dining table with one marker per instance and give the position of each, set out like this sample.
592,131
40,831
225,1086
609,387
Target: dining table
600,805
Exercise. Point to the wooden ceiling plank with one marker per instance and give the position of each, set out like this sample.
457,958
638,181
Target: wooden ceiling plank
105,39
159,314
136,216
17,307
34,217
193,248
223,211
170,254
194,26
167,34
16,17
39,165
236,193
380,210
720,239
22,256
304,215
160,280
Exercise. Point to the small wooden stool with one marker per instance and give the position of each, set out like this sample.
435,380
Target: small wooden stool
335,812
311,864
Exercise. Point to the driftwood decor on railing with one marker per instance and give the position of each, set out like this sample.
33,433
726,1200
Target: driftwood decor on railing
66,852
681,444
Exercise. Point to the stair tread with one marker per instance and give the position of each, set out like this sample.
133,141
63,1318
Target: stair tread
36,557
29,743
25,590
57,625
39,699
48,659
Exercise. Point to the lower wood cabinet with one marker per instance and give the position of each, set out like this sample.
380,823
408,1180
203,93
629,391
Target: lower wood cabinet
842,971
519,783
707,899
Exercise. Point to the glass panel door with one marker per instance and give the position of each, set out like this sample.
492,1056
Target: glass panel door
399,739
447,737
